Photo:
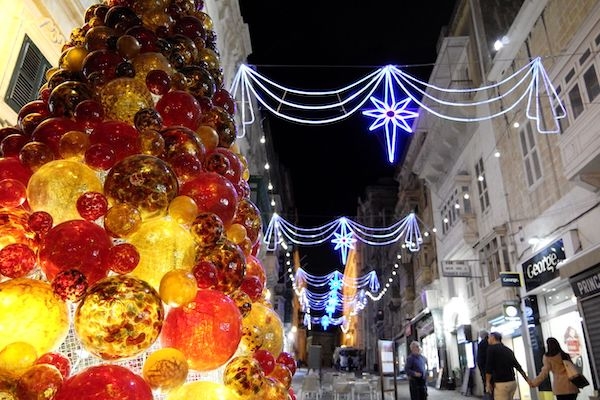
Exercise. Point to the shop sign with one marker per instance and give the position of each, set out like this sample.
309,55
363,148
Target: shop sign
512,279
455,269
586,284
543,267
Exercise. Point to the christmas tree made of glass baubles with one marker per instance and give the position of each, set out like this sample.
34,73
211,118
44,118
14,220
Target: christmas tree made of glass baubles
129,245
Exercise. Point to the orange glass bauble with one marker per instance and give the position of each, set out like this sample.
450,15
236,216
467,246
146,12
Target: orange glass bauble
207,330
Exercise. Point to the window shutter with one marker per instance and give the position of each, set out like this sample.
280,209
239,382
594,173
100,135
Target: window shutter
28,76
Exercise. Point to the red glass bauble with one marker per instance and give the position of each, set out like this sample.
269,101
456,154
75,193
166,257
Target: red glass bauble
205,273
252,286
102,62
179,108
106,382
123,258
60,361
35,106
189,26
92,205
11,145
223,99
89,113
122,138
265,359
75,244
13,168
65,97
70,285
207,330
181,140
51,130
213,193
40,222
282,374
186,167
100,156
39,382
158,82
145,37
13,193
255,268
288,360
16,260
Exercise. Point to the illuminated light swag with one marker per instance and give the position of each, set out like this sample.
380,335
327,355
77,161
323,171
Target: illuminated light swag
346,233
531,82
333,300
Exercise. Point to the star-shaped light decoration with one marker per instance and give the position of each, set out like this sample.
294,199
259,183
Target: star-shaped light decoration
344,239
390,114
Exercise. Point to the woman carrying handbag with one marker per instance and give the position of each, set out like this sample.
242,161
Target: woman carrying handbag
562,387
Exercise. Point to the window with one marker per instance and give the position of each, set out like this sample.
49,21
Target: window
575,101
493,258
591,83
28,76
531,160
482,189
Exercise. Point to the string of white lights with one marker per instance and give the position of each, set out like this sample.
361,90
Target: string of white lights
530,81
345,233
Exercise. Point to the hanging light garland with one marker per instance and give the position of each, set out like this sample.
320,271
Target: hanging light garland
531,82
345,233
331,299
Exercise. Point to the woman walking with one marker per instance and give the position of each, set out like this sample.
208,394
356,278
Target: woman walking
562,387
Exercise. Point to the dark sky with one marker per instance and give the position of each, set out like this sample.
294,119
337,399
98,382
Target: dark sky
329,44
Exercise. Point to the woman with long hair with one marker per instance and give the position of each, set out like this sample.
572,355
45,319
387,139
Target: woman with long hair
562,387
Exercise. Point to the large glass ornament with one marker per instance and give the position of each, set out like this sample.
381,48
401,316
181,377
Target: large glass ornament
229,261
122,98
57,185
204,390
163,245
119,317
106,382
213,193
43,319
75,244
207,330
263,329
143,181
244,376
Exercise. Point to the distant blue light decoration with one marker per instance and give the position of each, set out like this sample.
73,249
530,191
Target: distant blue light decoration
344,240
390,114
332,301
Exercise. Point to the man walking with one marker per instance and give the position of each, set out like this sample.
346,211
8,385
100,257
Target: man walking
416,370
482,349
500,369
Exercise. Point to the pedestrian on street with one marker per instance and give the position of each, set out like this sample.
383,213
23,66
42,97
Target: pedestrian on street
416,370
500,368
552,361
482,349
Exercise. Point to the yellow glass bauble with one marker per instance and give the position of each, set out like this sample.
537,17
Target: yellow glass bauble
183,209
72,58
204,390
178,287
146,62
163,246
122,98
17,357
30,312
57,185
263,329
165,369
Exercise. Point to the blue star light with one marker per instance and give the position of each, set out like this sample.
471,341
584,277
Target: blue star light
390,114
344,240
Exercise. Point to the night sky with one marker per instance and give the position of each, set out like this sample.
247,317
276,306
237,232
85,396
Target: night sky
327,45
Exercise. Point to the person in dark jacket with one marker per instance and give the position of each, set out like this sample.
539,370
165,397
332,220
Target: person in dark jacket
482,348
500,368
416,370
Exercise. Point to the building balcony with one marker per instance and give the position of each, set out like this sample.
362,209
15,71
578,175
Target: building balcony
580,149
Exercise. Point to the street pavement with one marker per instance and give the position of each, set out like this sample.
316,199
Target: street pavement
402,390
